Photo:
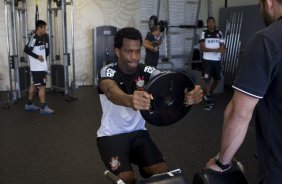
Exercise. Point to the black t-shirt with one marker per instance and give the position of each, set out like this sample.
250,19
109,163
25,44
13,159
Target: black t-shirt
128,83
37,41
117,119
260,75
151,57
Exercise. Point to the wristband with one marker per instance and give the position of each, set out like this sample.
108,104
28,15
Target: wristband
223,167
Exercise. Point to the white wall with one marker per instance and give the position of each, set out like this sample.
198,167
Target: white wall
3,50
232,3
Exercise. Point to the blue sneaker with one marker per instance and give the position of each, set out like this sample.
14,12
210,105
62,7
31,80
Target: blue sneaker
30,108
46,110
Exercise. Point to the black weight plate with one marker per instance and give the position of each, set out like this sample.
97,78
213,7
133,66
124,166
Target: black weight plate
152,22
168,90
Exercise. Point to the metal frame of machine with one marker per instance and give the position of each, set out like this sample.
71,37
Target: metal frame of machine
58,81
16,31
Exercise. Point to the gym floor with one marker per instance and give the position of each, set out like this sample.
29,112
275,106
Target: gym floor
61,148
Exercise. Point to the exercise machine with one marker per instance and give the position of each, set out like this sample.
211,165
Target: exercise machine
61,61
103,49
17,35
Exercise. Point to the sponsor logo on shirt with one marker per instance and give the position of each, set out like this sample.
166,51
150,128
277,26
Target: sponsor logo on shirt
42,47
213,41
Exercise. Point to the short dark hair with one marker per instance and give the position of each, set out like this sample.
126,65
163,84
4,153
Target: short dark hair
129,33
210,18
40,23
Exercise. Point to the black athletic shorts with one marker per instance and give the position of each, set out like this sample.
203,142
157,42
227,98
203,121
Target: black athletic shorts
119,151
211,69
39,78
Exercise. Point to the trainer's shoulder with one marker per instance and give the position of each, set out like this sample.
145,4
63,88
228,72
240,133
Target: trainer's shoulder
272,32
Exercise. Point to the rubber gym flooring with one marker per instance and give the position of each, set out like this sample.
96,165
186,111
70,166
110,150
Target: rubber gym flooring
61,148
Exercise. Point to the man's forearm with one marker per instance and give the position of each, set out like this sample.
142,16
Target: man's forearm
148,46
28,51
204,49
115,94
119,97
233,133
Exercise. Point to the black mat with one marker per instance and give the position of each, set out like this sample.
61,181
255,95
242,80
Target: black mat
61,148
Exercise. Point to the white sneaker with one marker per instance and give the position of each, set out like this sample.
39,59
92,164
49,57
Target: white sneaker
46,110
30,108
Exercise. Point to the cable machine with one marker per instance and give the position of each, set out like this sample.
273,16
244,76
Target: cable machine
103,49
179,23
16,31
60,69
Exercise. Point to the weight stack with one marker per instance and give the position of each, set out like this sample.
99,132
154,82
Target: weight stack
57,74
24,74
165,179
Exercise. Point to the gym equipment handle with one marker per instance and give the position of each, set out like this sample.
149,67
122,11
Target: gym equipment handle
113,177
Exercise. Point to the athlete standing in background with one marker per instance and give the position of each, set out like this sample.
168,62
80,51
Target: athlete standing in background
212,46
37,49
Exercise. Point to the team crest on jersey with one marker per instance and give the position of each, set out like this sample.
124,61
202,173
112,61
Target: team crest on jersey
140,82
115,163
206,76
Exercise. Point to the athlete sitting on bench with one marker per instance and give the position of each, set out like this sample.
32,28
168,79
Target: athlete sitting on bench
122,136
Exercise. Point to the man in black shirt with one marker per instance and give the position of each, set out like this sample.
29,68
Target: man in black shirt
258,87
152,44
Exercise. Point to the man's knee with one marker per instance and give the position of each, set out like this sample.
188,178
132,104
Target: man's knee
159,168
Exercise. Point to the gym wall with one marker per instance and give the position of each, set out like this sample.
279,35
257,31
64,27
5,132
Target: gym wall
217,4
90,14
3,50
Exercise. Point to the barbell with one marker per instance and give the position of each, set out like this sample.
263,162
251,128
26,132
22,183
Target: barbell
154,21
